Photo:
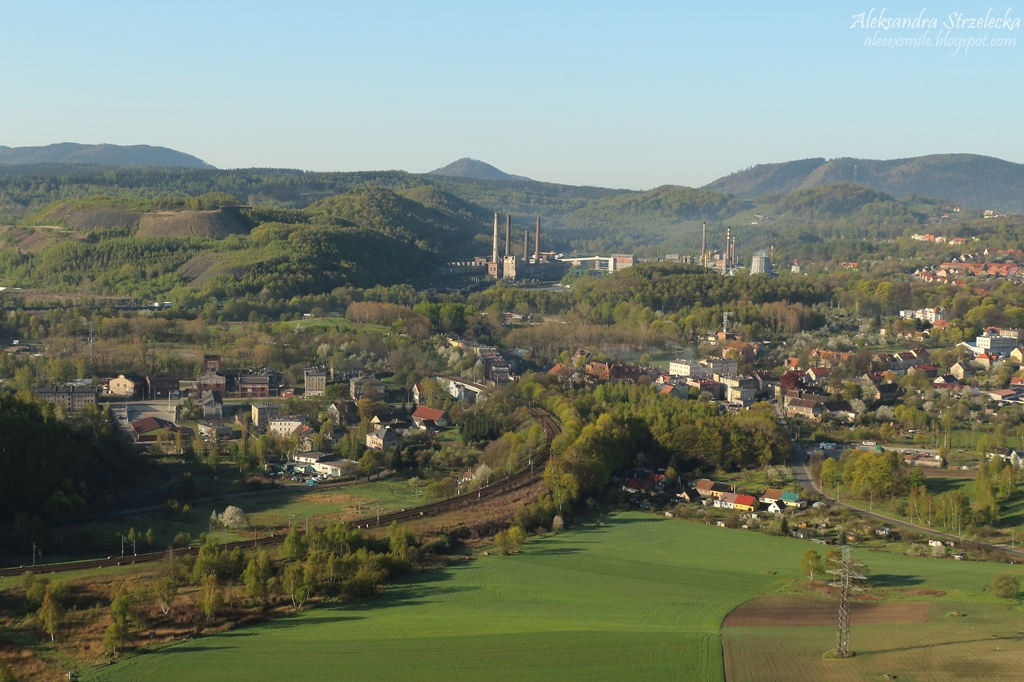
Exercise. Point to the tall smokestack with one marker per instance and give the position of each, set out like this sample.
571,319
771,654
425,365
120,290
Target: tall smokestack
773,253
704,244
494,249
728,246
536,246
526,246
508,233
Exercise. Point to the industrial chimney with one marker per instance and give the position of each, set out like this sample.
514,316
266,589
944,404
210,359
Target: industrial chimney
704,244
526,246
508,233
494,249
536,246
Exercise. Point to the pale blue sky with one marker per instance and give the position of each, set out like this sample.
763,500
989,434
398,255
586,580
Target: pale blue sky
631,94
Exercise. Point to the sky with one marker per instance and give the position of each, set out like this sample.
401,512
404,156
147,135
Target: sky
627,94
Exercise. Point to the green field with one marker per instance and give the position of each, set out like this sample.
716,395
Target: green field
274,510
638,598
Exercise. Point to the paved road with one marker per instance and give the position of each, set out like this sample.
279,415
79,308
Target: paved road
803,475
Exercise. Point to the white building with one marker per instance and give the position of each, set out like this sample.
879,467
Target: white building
927,314
996,344
686,368
720,366
285,426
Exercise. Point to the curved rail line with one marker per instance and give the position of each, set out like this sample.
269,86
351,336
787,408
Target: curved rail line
523,477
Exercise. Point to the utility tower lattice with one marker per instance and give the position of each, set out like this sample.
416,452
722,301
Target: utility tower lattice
845,574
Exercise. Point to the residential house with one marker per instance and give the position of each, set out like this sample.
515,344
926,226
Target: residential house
130,386
687,368
771,495
149,429
614,371
211,404
262,413
427,417
367,387
1017,355
72,398
745,503
715,388
162,386
841,410
986,360
793,500
818,374
721,366
961,370
677,390
343,412
712,489
254,386
930,371
211,430
726,500
739,349
776,506
807,409
689,495
316,380
383,439
285,426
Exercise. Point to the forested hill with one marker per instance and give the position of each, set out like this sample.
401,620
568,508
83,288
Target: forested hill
970,180
477,170
108,154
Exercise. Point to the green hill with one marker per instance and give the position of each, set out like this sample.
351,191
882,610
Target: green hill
968,179
638,598
108,154
471,168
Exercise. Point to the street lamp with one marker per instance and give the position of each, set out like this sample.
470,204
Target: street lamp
124,540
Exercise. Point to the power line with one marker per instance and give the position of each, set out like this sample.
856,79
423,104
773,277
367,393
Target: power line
846,576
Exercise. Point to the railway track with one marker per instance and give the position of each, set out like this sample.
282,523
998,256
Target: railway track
519,479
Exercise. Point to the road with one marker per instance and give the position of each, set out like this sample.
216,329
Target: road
803,475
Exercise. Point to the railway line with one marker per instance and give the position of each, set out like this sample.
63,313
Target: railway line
521,478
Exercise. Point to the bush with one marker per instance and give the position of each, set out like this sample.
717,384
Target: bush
1006,586
732,521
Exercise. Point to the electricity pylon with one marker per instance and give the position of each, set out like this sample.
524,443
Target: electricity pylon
846,575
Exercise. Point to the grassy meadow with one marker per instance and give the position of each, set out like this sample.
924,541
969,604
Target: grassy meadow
638,597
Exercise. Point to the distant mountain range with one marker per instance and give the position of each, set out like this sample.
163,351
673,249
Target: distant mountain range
969,179
474,170
102,154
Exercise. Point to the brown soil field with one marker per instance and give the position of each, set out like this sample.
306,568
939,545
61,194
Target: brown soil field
90,219
789,611
984,645
217,224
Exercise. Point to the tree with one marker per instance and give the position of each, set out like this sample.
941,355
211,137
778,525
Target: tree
257,578
810,563
210,596
295,586
5,673
557,524
165,590
1006,586
51,613
150,538
114,637
233,517
294,546
508,541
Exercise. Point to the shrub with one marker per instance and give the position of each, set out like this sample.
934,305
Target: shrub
1006,586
